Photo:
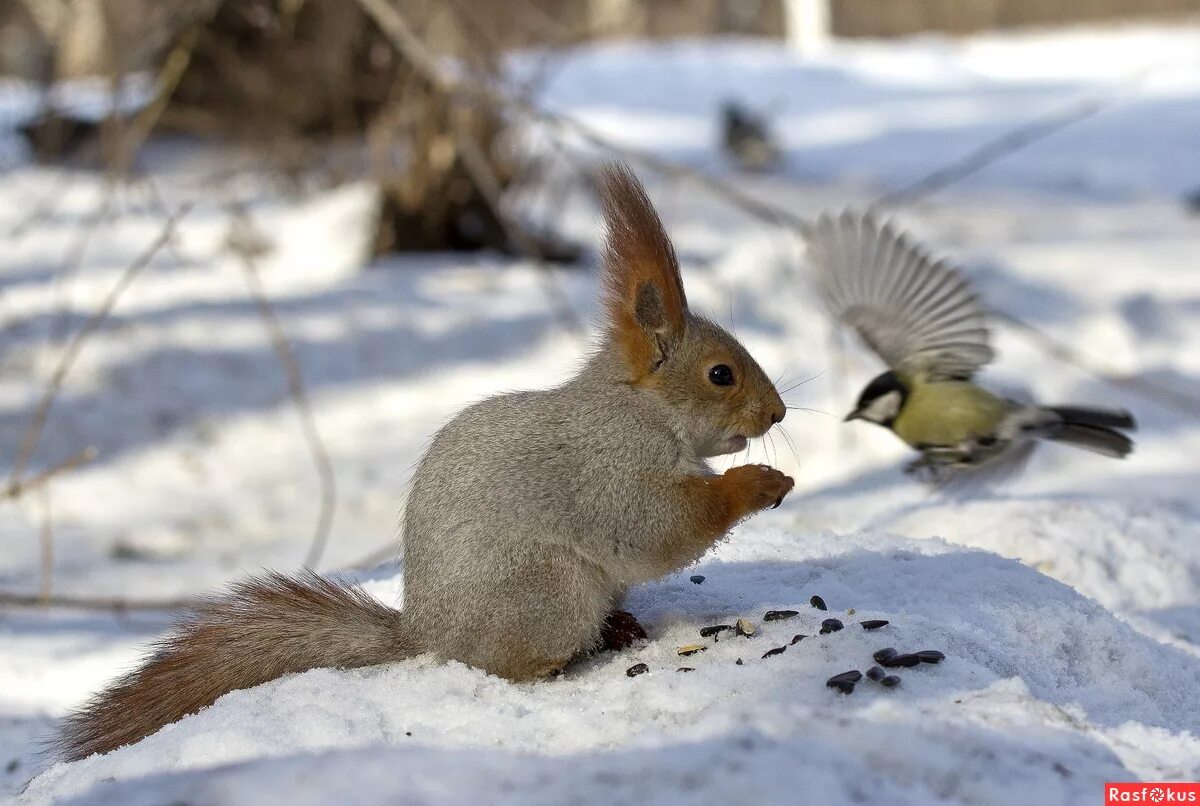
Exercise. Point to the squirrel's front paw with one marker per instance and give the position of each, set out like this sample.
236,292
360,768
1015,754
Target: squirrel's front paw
764,486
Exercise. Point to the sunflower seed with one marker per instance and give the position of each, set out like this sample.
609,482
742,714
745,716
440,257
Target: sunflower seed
686,669
845,681
818,603
830,625
716,629
797,638
696,578
884,655
875,673
636,669
907,660
690,649
931,656
738,662
779,650
891,681
874,624
745,628
779,615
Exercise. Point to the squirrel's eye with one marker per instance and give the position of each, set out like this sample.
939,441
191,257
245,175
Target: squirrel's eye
721,375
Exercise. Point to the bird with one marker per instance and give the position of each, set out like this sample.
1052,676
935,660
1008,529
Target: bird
920,315
746,137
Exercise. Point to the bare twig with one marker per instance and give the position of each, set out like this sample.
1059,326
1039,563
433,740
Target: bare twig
167,80
1163,395
101,603
45,586
34,433
476,163
994,150
248,244
17,488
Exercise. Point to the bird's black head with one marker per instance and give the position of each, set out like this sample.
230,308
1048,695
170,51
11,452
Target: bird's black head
881,401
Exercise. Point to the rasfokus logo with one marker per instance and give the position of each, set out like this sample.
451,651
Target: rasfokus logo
1151,793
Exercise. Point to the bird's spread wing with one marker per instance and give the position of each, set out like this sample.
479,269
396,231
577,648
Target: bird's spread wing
919,314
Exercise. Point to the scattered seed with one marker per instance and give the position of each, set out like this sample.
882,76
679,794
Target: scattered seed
875,673
779,615
686,669
745,628
891,681
931,656
716,629
797,638
779,650
851,612
906,660
636,669
738,661
818,603
690,649
874,624
884,655
845,681
830,625
696,578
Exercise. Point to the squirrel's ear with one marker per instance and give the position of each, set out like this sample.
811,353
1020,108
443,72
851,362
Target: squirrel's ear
644,298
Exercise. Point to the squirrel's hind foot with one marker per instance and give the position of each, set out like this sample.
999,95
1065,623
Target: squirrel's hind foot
621,631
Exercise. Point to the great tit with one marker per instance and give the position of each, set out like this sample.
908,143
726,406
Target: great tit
921,317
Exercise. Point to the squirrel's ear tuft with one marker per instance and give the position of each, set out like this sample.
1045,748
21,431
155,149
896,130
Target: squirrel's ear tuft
644,296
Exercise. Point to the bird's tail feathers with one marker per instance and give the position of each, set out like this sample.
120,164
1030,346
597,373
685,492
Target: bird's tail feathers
1097,430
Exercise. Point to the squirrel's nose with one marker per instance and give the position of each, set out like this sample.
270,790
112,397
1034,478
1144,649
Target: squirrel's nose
777,414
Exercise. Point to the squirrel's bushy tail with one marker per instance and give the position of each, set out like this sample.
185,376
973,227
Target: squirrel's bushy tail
262,629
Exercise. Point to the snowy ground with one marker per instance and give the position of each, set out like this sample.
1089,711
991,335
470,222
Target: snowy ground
1076,665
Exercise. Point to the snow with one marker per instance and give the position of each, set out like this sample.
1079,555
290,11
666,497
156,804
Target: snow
1067,601
1041,687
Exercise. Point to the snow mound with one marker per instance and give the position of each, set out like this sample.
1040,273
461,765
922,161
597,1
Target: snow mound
1043,694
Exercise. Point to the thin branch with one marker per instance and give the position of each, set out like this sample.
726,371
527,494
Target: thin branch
488,185
34,433
166,82
17,488
101,603
1163,395
46,585
247,244
994,150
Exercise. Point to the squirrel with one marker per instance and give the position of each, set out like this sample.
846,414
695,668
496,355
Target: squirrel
529,517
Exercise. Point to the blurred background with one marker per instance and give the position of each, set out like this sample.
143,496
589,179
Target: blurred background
256,251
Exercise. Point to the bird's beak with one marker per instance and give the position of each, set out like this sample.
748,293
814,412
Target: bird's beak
854,415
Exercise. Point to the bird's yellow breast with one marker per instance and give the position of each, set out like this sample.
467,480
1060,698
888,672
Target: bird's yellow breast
947,413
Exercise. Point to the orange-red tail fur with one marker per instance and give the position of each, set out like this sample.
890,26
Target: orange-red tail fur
264,628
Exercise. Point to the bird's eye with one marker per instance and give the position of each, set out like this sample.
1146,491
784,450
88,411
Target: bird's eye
721,375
